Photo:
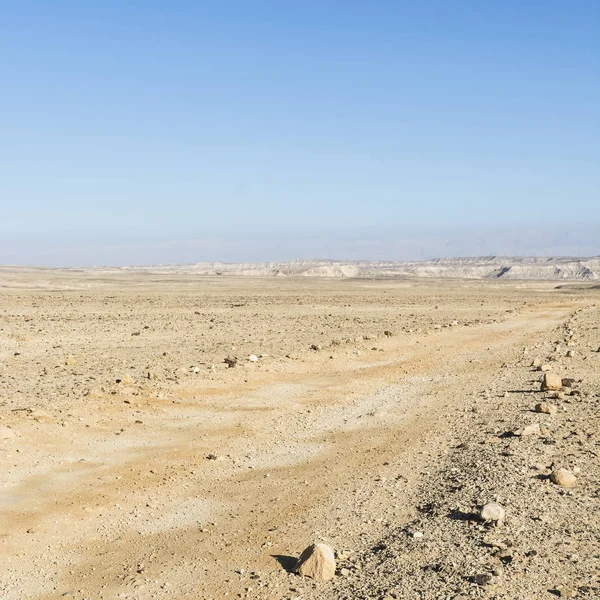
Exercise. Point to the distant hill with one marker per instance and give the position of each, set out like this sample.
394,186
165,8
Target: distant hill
485,267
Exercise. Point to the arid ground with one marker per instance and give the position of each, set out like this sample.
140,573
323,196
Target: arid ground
378,417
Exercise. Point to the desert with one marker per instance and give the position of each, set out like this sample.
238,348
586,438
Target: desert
175,435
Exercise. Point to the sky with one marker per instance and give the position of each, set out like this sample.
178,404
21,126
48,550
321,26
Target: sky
149,132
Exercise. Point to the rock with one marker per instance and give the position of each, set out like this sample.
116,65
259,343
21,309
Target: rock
70,361
564,591
316,347
568,382
551,381
231,361
483,579
492,513
253,358
545,367
196,370
546,408
6,433
536,363
388,333
317,562
126,379
531,430
563,477
569,354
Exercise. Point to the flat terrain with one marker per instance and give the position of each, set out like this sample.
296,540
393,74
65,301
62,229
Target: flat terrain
137,463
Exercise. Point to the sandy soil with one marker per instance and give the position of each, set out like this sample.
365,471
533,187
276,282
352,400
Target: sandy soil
137,464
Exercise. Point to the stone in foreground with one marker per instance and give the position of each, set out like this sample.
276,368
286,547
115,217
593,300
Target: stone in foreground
563,477
317,562
551,381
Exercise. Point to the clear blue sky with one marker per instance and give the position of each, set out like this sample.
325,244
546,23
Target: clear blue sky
213,125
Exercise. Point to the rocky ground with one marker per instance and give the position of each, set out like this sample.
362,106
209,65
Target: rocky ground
377,417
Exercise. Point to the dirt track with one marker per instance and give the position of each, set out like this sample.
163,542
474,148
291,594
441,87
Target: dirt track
110,492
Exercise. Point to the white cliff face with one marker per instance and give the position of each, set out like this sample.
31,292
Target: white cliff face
477,268
550,269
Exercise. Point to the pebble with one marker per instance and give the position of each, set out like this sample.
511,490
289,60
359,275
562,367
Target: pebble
531,430
564,591
546,408
231,361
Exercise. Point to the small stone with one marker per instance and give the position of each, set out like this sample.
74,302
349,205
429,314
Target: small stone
569,354
565,591
546,408
231,361
551,381
492,512
388,333
563,477
316,347
317,562
483,579
126,379
568,382
417,534
531,430
253,358
70,361
545,367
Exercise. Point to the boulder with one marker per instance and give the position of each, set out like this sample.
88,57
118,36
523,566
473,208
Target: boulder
317,562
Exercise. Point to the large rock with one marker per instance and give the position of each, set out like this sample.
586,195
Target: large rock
317,562
551,381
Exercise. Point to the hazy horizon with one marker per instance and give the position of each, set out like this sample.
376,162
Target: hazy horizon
544,242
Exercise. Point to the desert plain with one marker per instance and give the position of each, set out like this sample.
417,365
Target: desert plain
186,437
